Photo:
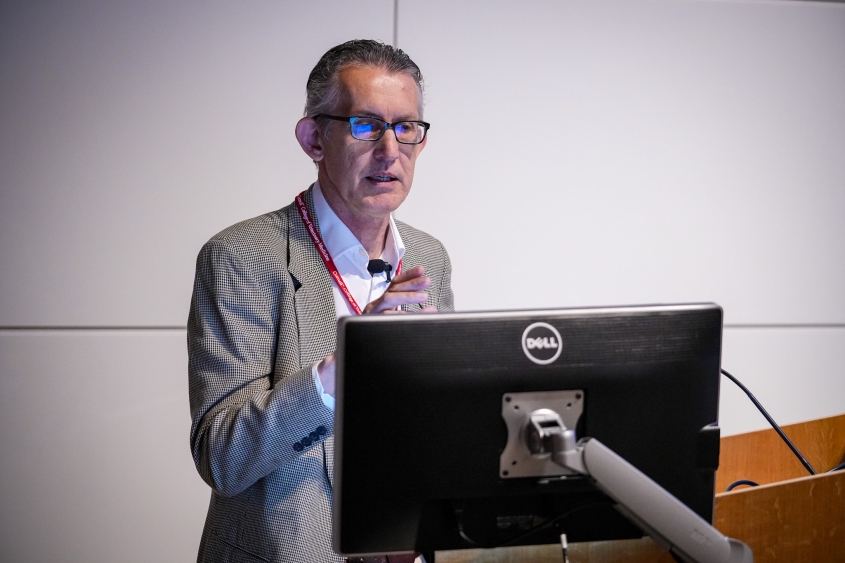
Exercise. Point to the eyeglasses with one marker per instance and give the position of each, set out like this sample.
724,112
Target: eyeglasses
372,128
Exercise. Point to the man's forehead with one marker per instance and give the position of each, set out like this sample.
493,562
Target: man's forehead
375,91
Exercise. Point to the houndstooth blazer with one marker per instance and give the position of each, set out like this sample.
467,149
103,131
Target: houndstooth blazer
261,315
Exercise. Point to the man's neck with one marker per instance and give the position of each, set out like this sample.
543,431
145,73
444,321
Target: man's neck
370,231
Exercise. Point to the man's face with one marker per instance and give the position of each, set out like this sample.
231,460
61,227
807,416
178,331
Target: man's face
370,178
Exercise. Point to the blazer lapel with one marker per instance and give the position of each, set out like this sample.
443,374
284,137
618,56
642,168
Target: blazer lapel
313,300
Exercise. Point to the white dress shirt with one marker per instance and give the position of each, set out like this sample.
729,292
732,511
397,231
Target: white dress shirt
351,259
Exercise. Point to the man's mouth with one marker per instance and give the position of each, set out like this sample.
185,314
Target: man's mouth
381,177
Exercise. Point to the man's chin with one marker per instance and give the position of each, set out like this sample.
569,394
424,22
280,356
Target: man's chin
386,199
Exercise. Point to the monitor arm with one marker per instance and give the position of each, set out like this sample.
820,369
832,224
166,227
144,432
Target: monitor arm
645,503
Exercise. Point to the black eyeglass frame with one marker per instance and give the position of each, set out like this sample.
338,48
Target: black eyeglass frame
387,125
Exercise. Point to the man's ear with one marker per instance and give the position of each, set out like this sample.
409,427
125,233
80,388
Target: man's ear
308,135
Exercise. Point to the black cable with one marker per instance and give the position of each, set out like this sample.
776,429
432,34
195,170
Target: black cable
552,522
741,482
837,468
544,526
774,424
459,512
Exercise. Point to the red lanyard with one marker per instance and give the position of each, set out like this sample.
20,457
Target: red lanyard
324,253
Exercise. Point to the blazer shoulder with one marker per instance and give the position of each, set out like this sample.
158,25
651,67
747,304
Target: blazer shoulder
258,245
420,240
257,232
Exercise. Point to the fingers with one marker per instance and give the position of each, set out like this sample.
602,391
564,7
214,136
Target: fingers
414,272
405,289
412,280
393,299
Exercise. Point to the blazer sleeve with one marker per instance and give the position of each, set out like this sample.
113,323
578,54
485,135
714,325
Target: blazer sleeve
247,421
446,299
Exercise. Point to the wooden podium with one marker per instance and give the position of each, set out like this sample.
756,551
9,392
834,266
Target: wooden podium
791,517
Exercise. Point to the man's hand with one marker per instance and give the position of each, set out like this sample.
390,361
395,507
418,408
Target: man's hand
325,371
408,287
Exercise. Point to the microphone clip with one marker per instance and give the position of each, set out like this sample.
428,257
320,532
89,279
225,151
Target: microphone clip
378,266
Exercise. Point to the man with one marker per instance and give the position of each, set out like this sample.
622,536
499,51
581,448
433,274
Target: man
267,295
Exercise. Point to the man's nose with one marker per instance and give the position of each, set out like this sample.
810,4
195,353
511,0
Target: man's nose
387,147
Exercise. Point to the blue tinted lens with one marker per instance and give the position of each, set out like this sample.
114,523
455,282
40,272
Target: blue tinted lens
404,130
367,128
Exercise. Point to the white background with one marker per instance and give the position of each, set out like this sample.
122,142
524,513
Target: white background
582,153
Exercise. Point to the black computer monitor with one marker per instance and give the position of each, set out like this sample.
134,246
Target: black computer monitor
422,458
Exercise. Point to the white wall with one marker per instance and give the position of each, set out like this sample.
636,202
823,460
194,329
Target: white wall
129,134
651,151
637,152
96,464
134,131
581,153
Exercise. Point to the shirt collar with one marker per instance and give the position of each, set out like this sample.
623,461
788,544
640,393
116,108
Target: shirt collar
339,240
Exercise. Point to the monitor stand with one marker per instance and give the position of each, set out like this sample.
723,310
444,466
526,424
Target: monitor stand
685,534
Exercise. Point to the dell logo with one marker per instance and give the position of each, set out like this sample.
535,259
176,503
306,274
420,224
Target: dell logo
541,343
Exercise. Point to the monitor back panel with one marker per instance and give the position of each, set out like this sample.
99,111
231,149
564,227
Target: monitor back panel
419,428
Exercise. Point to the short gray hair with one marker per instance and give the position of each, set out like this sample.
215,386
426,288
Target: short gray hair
323,87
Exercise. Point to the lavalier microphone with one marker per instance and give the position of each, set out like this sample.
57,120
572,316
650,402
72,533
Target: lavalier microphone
378,266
